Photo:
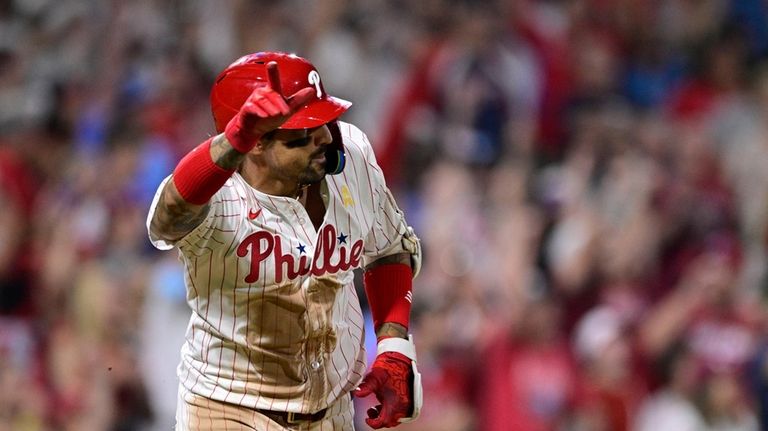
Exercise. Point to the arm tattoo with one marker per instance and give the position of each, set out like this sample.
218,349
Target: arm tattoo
224,155
175,217
390,329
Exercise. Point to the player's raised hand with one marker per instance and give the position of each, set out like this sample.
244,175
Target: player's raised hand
265,110
390,379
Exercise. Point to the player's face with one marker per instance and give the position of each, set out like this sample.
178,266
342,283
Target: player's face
300,154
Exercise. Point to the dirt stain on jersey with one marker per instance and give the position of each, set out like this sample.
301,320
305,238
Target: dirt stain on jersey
321,335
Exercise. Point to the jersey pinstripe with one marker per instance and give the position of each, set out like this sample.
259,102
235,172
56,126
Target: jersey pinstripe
276,323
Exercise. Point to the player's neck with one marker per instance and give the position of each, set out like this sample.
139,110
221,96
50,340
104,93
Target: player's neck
261,181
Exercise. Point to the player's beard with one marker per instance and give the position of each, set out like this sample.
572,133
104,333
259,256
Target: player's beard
314,172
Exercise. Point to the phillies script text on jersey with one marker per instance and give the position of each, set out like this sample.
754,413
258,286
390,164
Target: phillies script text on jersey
261,245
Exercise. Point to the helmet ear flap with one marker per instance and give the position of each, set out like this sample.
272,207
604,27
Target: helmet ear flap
335,158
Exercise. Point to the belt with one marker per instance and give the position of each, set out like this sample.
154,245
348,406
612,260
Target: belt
291,418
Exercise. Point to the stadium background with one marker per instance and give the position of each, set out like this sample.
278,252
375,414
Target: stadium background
588,178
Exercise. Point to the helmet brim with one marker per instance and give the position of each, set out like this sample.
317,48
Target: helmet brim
316,113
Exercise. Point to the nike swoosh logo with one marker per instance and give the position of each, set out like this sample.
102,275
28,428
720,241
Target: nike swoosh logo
253,214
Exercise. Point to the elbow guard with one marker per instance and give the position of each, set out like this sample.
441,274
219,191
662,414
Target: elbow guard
412,244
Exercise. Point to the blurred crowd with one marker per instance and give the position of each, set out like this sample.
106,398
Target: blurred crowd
587,178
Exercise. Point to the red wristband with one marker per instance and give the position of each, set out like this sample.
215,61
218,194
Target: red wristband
197,177
388,288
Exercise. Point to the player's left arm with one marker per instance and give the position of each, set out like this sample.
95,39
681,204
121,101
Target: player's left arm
392,260
394,377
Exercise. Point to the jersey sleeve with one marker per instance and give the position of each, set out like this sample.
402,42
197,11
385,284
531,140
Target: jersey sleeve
389,225
201,235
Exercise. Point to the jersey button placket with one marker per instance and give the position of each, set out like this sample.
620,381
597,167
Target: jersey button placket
300,212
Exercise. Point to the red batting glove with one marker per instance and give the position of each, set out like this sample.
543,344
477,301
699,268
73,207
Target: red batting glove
391,379
265,110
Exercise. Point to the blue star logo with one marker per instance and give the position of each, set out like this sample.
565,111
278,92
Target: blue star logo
342,238
302,248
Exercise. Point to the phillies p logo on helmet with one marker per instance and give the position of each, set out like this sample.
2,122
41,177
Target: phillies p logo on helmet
314,79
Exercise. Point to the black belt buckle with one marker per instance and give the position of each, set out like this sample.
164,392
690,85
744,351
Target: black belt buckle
294,418
290,418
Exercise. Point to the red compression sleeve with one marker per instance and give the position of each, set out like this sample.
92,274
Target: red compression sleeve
197,177
388,288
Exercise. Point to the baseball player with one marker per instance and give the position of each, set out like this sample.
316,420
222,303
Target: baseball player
270,218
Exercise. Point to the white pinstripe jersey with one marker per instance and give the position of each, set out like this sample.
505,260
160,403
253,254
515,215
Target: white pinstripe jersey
276,322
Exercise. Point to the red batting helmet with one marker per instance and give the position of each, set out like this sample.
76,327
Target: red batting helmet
239,79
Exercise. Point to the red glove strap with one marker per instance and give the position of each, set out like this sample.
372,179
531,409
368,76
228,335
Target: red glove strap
239,135
388,288
197,177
